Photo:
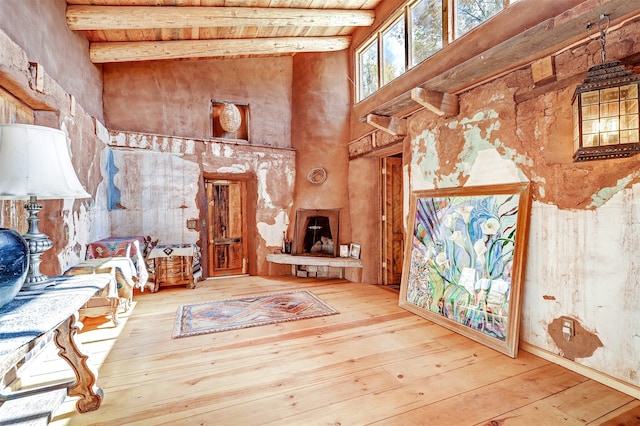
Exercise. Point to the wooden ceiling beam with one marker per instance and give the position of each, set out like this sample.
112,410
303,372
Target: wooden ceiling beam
87,18
151,50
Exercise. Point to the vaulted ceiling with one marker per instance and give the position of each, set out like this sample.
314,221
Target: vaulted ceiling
138,30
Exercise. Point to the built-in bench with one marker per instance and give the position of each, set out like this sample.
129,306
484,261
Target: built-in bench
315,266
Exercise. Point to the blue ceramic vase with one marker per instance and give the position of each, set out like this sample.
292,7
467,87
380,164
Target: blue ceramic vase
14,264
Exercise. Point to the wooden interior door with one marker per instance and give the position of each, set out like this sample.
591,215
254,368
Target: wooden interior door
226,227
392,220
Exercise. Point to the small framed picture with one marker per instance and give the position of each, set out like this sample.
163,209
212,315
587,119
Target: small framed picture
354,251
344,250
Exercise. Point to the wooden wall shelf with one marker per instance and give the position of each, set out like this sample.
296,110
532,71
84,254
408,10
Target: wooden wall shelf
315,266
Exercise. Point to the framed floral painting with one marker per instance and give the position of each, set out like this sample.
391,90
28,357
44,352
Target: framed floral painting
465,261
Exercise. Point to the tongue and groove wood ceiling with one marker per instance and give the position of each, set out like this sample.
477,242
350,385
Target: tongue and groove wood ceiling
140,30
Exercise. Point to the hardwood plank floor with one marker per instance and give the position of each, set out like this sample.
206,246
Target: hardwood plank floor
373,364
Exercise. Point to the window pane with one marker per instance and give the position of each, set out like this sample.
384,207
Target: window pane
393,44
471,13
369,70
426,29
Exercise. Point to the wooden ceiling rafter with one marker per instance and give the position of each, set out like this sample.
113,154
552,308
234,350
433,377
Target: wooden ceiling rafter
141,30
194,49
86,18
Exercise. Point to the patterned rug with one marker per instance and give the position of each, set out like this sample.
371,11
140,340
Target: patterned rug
232,314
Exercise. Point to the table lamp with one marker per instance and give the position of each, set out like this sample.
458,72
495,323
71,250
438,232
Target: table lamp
35,163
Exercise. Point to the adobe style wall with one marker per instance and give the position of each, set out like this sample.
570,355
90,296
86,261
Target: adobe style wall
298,121
320,132
39,27
584,235
174,97
69,98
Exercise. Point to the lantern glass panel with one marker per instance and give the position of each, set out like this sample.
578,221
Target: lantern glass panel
609,138
629,91
629,107
610,109
630,136
576,126
609,95
628,122
590,98
609,124
590,112
590,126
590,139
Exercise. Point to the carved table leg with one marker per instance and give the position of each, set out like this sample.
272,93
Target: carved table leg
115,304
85,384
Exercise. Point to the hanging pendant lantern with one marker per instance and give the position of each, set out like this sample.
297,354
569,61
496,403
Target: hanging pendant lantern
606,112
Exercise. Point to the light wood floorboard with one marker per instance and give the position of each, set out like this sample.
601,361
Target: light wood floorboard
372,364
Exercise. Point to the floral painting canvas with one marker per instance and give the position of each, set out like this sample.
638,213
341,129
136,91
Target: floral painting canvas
464,261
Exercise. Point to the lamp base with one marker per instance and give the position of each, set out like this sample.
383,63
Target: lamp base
38,244
38,283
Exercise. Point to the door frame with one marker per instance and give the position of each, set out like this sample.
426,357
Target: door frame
250,202
383,268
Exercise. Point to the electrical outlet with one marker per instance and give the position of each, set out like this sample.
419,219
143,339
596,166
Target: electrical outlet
568,327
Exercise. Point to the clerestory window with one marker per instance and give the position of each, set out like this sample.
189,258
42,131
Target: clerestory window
420,29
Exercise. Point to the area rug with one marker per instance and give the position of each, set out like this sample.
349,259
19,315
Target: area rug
251,311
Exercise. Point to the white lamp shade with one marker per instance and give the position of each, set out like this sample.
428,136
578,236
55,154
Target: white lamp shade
35,161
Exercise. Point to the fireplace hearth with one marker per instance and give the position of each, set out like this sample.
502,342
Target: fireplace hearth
316,232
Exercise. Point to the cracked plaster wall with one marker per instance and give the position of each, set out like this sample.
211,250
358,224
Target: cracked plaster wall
584,234
69,99
161,184
172,125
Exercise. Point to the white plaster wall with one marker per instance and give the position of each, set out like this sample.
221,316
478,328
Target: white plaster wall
584,264
580,263
158,194
159,177
78,224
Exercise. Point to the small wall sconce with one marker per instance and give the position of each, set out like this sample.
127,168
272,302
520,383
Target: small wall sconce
606,115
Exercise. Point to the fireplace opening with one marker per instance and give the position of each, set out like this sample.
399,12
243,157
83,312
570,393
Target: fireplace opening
316,233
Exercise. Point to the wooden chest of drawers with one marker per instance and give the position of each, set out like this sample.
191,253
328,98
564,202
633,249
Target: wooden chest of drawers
174,270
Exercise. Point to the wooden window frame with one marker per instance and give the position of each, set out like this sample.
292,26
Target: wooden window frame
448,35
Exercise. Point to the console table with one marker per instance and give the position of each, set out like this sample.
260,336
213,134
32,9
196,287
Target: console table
110,299
34,314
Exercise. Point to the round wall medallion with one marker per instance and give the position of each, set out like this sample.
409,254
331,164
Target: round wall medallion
317,175
230,119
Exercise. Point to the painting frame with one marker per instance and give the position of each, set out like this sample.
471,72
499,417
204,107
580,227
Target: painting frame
464,260
354,251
